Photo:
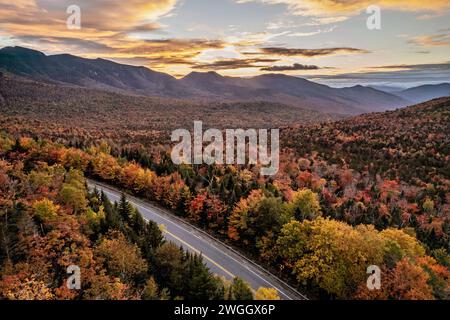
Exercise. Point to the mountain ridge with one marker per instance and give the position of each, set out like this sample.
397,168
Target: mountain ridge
278,88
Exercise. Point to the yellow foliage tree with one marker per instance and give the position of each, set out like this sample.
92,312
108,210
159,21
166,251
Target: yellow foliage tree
266,294
305,205
45,209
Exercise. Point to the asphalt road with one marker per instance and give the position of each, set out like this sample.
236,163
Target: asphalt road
220,258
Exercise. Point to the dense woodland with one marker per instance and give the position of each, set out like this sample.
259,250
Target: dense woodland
86,115
370,190
50,220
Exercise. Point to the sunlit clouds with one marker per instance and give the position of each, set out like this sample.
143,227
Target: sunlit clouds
342,8
237,38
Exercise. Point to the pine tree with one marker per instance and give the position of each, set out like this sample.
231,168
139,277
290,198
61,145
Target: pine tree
112,218
240,290
126,210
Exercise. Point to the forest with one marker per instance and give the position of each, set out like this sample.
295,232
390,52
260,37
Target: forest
50,220
368,190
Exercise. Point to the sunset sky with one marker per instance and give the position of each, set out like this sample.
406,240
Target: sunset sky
325,40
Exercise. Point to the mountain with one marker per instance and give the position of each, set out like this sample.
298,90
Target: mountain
293,91
57,107
90,73
103,74
359,98
387,88
426,92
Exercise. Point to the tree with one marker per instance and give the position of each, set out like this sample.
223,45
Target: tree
151,290
409,282
242,217
305,205
270,217
329,254
150,240
73,197
121,258
112,217
73,192
45,209
334,256
24,287
168,268
125,209
199,282
240,290
408,245
439,277
196,209
266,294
104,287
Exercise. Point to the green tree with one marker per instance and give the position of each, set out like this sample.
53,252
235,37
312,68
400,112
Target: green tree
125,208
168,268
305,204
240,290
200,284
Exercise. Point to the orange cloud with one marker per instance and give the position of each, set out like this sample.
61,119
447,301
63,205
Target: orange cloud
351,7
109,29
442,39
99,19
308,53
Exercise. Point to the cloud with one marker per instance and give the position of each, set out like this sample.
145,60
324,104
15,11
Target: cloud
66,42
401,74
147,27
247,39
112,15
118,30
174,46
231,64
48,17
156,62
108,23
279,51
295,66
416,67
312,33
334,8
441,39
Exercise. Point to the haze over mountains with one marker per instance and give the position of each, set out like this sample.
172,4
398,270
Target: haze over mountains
425,92
66,69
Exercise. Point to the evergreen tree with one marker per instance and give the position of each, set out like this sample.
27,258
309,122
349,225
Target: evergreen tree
239,290
125,209
199,283
112,218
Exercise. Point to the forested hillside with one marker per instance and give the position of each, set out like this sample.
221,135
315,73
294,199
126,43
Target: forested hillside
86,115
370,190
49,221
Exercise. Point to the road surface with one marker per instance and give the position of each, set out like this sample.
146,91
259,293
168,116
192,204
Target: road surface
220,258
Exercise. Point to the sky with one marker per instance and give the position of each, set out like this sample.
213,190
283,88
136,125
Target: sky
326,41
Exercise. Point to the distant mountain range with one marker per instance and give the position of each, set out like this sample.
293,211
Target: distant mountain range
425,92
66,69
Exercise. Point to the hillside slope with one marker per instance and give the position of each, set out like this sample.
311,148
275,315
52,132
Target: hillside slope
210,86
426,92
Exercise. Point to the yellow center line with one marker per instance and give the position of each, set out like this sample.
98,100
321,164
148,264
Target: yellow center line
198,252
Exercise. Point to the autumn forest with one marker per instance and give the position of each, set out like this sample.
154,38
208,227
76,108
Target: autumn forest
371,189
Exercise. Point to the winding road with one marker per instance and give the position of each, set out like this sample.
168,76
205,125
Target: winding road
220,258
